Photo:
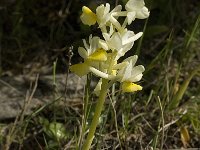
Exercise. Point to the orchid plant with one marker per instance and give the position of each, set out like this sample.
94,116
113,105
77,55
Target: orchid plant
101,55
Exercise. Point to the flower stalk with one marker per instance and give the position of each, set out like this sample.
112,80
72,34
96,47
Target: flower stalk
97,113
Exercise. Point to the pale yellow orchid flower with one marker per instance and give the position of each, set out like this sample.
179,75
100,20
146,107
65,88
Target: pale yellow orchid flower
136,9
130,74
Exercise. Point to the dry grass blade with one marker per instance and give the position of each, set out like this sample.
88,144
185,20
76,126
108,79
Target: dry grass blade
20,117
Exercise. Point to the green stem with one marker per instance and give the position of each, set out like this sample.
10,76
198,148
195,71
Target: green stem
97,114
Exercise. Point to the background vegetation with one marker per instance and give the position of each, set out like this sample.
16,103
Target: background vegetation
36,33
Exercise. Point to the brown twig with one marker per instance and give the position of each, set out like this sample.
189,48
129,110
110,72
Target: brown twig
69,55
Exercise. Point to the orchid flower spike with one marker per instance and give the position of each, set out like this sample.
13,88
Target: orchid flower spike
101,55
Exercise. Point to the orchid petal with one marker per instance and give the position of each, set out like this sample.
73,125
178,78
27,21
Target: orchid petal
130,87
98,55
82,52
88,17
80,69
